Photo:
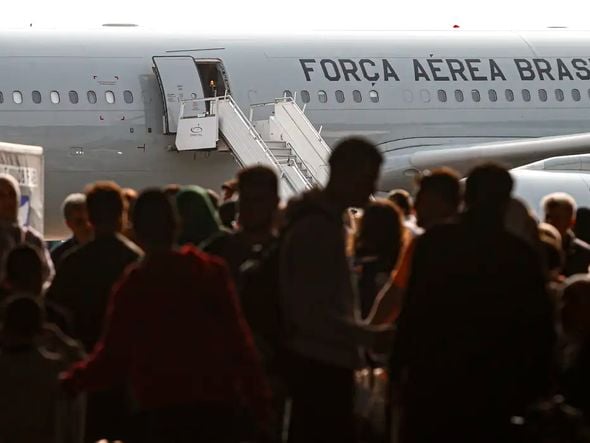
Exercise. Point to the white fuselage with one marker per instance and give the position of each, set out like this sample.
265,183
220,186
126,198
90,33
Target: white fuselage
406,91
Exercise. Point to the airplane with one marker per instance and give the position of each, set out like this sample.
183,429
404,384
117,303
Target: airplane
104,103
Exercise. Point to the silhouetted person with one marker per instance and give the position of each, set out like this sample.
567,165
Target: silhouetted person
76,219
575,322
560,211
255,229
318,309
438,200
475,337
378,246
11,234
83,285
200,224
34,410
24,277
403,200
582,226
175,330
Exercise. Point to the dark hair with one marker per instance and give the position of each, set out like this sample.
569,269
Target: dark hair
381,232
402,199
488,188
24,269
258,176
154,218
353,153
105,204
444,182
23,317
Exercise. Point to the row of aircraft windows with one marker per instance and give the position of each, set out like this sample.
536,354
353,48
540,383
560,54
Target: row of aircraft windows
510,95
357,96
55,97
476,95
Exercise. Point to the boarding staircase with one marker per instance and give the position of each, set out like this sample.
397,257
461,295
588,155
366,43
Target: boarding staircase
286,141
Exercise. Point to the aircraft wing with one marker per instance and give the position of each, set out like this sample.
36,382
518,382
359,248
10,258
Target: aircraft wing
401,167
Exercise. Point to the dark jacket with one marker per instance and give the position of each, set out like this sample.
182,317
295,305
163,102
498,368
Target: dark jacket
475,337
84,282
577,255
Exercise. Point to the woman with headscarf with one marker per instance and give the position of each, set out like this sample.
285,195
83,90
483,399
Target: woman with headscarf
200,223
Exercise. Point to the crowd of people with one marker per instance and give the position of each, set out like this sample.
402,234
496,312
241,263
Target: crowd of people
177,315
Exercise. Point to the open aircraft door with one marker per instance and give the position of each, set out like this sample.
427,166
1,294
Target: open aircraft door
179,80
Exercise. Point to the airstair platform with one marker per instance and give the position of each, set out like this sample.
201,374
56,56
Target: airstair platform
286,141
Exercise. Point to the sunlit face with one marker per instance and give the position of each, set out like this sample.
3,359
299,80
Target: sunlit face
8,202
79,225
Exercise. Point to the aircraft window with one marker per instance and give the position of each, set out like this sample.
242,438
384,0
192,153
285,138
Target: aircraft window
54,96
1,97
576,95
543,95
442,95
357,96
305,96
475,95
509,95
36,96
322,96
17,97
374,96
526,95
559,96
91,97
74,97
340,96
128,97
110,97
493,95
287,93
459,95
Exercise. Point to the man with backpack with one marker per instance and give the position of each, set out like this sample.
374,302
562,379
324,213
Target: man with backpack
319,308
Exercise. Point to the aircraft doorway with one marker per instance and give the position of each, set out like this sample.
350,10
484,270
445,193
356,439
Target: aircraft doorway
213,77
184,78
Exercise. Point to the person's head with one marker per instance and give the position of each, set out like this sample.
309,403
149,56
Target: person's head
438,197
582,227
228,212
22,320
76,217
199,221
552,250
106,206
380,233
258,188
24,270
575,307
229,189
560,211
403,200
354,169
154,220
9,198
487,191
